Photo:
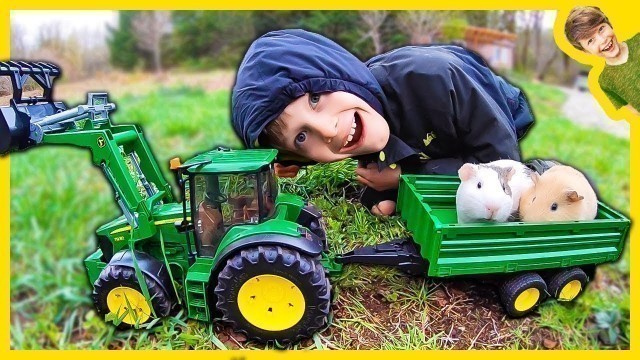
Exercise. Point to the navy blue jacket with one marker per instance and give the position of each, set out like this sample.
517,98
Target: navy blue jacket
443,104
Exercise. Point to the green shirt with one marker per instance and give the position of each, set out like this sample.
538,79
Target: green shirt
621,83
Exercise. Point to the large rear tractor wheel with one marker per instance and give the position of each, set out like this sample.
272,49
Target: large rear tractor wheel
118,292
567,284
522,293
272,293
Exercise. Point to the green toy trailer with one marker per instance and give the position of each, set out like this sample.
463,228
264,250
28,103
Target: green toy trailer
235,249
534,259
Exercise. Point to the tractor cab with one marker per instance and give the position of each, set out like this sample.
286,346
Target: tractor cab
229,188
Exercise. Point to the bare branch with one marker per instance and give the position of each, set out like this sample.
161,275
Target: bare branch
374,21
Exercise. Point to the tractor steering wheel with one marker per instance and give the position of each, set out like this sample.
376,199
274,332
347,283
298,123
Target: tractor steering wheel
218,198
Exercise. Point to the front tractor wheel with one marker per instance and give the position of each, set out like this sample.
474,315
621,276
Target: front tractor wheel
117,292
522,293
273,293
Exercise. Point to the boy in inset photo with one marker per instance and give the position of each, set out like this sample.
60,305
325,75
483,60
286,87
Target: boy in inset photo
588,29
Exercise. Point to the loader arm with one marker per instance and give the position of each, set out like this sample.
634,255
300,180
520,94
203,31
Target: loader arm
121,151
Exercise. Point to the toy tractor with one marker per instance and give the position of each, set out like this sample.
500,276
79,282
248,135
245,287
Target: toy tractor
236,249
232,247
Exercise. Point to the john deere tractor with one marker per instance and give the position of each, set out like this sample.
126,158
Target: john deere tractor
233,248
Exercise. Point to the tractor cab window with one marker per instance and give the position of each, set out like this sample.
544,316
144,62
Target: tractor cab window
221,201
269,192
242,198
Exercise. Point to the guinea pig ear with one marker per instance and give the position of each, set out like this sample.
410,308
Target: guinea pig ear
467,171
535,177
573,196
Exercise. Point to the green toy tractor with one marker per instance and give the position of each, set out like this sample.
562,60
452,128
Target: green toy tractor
235,249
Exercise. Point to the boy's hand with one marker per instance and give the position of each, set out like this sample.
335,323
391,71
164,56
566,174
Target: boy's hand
286,171
386,179
384,208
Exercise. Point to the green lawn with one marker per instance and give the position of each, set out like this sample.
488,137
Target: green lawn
58,199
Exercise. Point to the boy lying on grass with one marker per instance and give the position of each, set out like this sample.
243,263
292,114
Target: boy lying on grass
416,109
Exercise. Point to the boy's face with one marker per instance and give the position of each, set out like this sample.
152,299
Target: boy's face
332,126
602,42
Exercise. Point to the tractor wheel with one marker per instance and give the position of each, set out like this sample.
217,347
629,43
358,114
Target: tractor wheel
116,291
273,293
522,293
567,284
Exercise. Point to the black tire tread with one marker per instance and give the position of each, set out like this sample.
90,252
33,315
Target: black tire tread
305,268
564,276
511,288
117,275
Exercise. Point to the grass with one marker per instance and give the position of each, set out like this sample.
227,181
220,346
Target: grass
58,199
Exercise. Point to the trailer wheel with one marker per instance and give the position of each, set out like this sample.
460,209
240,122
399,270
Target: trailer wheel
567,284
522,293
273,293
116,291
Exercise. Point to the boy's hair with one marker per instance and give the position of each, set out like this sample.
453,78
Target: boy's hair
273,134
580,23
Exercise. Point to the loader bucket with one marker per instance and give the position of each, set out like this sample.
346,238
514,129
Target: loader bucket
14,130
15,119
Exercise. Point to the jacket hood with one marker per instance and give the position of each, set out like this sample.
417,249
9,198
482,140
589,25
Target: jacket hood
283,65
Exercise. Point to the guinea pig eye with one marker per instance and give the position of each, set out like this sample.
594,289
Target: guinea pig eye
479,185
554,207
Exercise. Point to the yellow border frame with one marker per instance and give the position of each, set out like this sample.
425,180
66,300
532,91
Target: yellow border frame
623,16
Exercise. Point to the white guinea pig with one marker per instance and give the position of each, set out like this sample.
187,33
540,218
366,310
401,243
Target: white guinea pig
491,192
483,194
519,182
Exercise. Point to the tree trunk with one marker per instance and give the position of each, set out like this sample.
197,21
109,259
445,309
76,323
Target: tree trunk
545,68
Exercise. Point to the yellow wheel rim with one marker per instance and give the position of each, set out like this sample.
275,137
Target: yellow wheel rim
130,303
527,299
271,302
570,290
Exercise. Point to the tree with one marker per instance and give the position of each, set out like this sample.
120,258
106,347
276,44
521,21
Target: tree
211,38
526,21
149,28
374,21
123,52
63,49
18,45
421,26
343,27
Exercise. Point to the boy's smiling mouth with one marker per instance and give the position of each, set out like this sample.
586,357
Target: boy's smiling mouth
608,47
352,140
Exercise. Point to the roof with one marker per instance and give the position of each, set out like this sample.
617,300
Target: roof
230,161
479,35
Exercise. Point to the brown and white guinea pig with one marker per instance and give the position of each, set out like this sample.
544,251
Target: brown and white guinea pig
561,193
484,194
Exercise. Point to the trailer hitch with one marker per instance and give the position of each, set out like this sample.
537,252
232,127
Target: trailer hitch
400,253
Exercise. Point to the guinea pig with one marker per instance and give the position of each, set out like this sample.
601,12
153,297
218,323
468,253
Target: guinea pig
484,193
519,182
561,193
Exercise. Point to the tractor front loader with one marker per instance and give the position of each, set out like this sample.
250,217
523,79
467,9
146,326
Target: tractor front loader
233,249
